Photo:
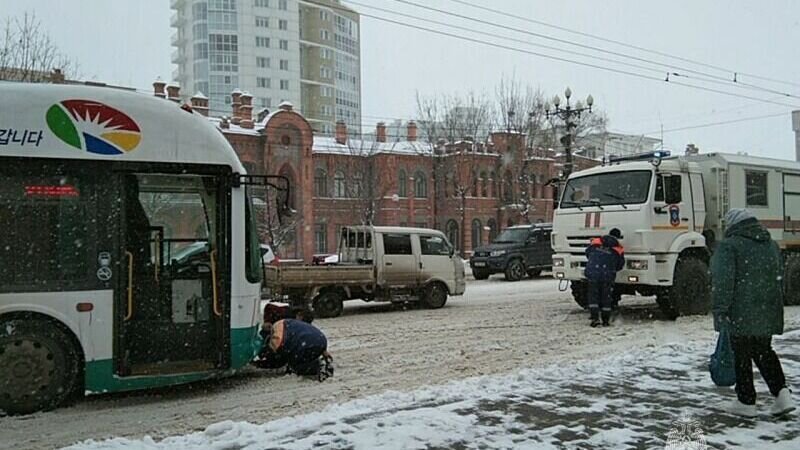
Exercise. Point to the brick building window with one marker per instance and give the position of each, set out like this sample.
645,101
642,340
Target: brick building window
492,224
402,188
484,184
477,233
339,185
452,233
420,185
495,185
508,187
474,187
358,185
321,238
321,183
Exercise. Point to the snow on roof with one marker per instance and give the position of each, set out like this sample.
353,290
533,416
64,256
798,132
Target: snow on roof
358,147
200,96
235,129
286,103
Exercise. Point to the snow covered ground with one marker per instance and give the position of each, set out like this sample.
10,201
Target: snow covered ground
496,329
655,397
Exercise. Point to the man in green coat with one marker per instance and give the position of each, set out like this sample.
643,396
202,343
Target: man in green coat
747,272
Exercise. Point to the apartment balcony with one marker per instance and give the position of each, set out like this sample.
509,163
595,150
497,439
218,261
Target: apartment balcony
177,39
176,20
178,57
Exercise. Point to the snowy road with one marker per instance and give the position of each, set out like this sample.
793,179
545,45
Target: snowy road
654,398
496,328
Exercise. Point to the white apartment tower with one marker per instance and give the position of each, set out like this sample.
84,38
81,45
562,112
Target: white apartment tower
303,51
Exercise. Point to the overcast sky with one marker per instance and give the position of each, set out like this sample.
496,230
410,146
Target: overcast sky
128,42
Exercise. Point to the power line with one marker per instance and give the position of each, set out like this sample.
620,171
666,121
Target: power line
566,60
624,44
714,124
598,49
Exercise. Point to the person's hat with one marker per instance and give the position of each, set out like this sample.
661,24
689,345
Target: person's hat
737,215
616,233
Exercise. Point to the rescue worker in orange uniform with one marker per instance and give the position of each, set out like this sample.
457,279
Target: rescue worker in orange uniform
605,257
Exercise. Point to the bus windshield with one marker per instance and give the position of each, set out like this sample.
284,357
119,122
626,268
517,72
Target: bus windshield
604,189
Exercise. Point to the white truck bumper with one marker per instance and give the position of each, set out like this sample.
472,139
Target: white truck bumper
655,270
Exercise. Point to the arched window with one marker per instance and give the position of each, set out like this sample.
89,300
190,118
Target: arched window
477,233
339,185
492,224
321,183
402,189
484,184
358,185
508,187
420,185
287,172
495,185
452,233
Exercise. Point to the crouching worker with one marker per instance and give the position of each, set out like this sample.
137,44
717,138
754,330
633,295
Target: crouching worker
605,257
299,346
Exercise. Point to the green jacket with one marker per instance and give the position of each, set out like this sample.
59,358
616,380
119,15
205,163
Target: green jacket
746,275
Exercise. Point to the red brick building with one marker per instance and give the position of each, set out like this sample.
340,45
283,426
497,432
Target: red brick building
469,190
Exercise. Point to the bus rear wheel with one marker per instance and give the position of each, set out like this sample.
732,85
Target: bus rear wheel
39,366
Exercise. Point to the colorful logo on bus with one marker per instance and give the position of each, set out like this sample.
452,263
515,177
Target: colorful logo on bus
94,127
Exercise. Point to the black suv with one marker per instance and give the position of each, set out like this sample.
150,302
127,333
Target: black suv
515,252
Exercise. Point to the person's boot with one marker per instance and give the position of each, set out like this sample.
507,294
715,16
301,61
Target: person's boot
595,323
738,408
606,318
783,403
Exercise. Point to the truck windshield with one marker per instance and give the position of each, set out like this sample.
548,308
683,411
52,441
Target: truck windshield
512,235
612,188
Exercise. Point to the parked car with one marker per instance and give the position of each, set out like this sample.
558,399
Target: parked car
517,251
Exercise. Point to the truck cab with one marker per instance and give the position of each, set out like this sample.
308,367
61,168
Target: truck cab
659,205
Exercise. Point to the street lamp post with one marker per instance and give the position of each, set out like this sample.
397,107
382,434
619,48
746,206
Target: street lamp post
568,113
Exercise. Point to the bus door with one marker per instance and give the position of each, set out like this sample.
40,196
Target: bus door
172,298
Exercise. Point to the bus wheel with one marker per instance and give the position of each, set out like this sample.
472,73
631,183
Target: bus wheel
791,278
579,294
328,304
435,296
39,366
690,293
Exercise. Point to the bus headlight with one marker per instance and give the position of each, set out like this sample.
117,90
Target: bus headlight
637,264
558,262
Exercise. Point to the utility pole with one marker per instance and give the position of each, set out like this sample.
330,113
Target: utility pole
568,114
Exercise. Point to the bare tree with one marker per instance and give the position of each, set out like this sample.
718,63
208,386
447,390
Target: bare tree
366,185
28,53
453,129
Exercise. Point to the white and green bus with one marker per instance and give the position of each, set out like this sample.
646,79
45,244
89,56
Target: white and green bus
128,254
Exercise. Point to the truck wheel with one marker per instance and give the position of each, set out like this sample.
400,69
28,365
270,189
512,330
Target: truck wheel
481,274
579,294
435,296
533,273
39,365
328,304
690,293
515,270
791,278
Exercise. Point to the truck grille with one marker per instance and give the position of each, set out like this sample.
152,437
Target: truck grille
578,244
